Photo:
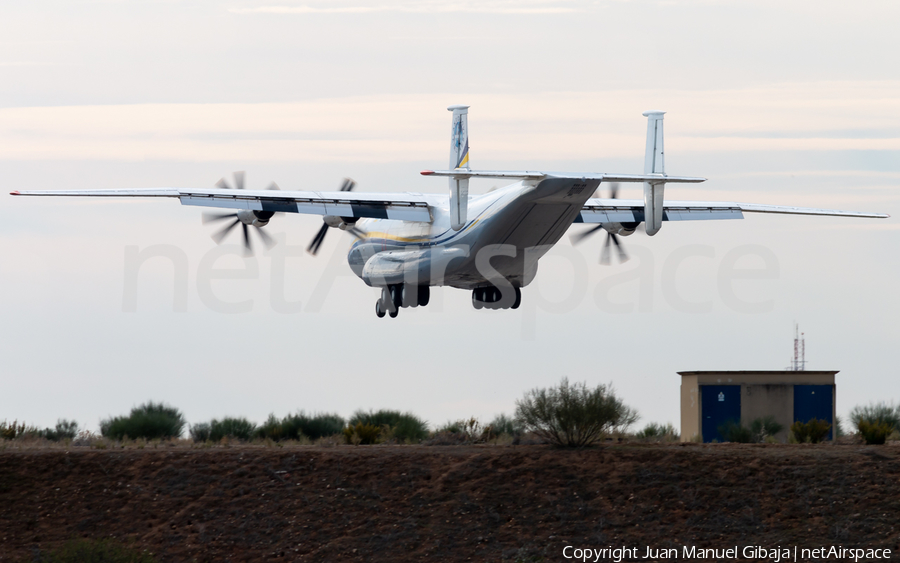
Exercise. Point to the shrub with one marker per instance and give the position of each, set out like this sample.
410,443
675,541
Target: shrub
874,432
503,424
64,430
150,421
102,551
875,416
362,434
316,426
464,431
271,429
655,431
451,427
765,427
300,425
200,432
18,430
405,427
811,432
239,428
9,431
734,432
573,415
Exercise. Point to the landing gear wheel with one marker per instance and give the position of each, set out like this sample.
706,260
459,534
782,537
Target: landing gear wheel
379,310
490,296
424,294
518,300
406,296
396,297
393,313
476,302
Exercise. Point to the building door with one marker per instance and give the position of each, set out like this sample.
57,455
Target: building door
814,401
720,404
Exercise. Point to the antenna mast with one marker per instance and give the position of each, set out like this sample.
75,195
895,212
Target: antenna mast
799,361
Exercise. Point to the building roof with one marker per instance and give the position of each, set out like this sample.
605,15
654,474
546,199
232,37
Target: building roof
758,372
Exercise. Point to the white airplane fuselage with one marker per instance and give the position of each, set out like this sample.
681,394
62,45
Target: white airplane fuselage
526,218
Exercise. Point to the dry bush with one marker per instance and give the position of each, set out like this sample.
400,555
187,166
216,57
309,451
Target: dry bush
874,432
653,432
572,415
811,432
876,421
396,425
150,420
362,434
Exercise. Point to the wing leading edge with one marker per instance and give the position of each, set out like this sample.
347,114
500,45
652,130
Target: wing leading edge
598,210
402,207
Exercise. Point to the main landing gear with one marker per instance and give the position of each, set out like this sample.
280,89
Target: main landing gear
395,296
492,298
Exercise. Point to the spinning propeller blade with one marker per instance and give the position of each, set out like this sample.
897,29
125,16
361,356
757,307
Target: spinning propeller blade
317,240
611,238
220,235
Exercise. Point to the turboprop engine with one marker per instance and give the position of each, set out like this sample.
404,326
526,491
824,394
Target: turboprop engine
244,217
255,218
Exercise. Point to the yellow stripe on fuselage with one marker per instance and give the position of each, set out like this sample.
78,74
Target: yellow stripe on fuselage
388,236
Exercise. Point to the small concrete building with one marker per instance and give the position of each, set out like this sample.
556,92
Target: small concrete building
710,399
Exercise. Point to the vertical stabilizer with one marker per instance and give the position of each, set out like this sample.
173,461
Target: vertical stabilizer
654,163
459,158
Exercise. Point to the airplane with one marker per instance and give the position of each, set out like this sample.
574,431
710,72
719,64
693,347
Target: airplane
489,243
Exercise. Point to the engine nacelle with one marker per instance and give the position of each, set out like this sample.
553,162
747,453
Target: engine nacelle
623,230
342,223
254,218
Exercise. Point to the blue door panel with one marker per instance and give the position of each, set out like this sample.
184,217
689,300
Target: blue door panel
814,401
719,405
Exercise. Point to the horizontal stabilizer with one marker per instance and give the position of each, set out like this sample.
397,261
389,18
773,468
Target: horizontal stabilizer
537,175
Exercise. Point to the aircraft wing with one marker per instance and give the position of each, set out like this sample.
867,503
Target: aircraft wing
598,210
399,206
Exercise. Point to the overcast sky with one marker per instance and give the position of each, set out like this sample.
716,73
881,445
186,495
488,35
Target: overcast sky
794,103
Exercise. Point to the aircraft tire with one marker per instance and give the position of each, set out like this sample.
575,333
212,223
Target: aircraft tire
423,295
518,300
476,302
379,310
396,297
394,313
407,298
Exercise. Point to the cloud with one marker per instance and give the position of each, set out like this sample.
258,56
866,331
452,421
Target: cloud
520,127
421,7
21,63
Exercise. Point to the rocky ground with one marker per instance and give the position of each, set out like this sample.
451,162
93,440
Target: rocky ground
453,503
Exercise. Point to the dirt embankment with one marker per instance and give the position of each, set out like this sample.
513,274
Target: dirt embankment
459,503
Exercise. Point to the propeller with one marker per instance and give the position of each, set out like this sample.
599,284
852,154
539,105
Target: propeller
260,217
313,247
611,238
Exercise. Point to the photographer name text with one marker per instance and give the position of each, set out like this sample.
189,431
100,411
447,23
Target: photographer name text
750,552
